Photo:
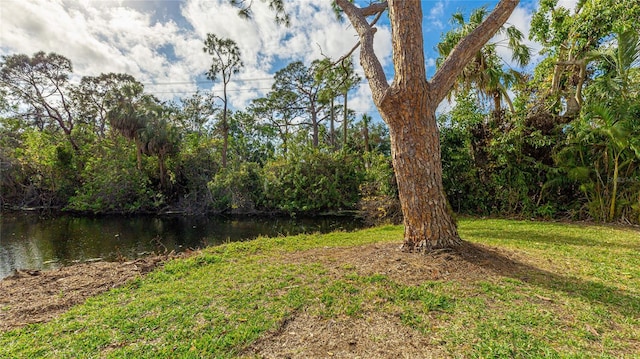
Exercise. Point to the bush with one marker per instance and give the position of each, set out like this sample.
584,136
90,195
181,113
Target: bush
238,189
313,181
196,164
379,202
113,185
45,166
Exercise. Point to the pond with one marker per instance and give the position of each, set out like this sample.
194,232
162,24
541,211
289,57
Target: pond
29,241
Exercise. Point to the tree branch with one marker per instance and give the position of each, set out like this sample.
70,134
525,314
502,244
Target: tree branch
372,67
348,54
373,9
455,63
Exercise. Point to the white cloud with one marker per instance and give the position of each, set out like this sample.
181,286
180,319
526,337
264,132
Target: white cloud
97,37
166,53
434,19
266,47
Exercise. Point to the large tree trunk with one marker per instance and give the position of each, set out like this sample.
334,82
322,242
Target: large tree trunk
415,140
408,106
416,159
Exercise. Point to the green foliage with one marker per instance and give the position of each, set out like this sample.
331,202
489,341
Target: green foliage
237,189
602,154
111,185
486,74
313,180
569,147
250,140
226,62
489,169
460,175
95,96
47,168
38,88
379,202
196,165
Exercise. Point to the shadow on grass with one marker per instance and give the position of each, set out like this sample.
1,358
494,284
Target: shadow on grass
615,299
548,238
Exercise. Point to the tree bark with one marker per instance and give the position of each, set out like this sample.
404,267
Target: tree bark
315,129
415,142
408,106
332,134
415,147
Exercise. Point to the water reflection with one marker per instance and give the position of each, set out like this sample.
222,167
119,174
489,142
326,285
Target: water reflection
28,241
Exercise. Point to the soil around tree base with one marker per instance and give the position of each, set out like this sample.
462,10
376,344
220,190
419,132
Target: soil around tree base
378,334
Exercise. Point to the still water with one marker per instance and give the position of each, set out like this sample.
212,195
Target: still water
32,242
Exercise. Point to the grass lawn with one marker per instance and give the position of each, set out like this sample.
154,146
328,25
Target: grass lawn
517,289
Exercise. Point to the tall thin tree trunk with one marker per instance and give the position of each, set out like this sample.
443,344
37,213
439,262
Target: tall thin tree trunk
225,141
345,121
163,171
497,107
316,129
332,135
284,137
225,129
614,191
365,123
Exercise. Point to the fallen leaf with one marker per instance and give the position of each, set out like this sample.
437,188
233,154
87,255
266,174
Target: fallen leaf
544,298
591,330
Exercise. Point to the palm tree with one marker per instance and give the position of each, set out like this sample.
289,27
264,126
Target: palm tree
161,138
617,105
485,76
605,141
486,72
129,113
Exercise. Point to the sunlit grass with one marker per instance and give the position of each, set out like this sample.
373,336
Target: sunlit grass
576,294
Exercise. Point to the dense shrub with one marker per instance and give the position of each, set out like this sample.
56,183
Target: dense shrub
111,185
313,180
195,167
379,201
237,189
46,168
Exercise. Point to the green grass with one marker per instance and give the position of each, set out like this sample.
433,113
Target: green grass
573,292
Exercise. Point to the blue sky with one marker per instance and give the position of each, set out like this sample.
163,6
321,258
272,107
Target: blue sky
160,41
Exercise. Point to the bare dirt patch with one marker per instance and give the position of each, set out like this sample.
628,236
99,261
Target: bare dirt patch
307,336
38,296
466,262
377,334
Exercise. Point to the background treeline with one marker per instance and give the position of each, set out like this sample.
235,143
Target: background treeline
104,145
561,141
